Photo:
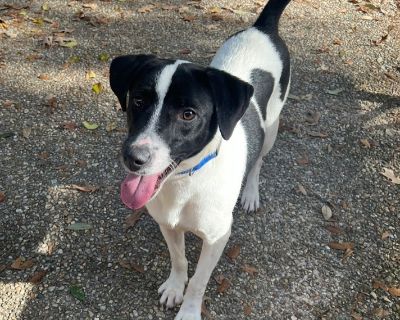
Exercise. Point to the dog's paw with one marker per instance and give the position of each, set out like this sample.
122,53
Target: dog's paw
172,291
250,198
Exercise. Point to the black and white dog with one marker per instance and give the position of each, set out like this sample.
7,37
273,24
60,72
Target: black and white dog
195,134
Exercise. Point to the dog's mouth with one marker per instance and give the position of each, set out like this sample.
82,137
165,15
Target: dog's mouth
137,190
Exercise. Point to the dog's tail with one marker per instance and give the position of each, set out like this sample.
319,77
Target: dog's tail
269,18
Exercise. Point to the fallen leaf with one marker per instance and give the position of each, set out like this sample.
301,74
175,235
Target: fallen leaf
26,132
44,155
90,75
334,92
92,5
250,270
45,6
204,310
385,235
2,267
313,117
347,254
2,197
89,125
356,316
83,188
233,252
394,291
131,266
334,230
37,277
8,103
389,173
43,76
390,76
79,226
132,219
303,160
51,101
38,21
97,88
69,125
217,17
104,57
146,9
381,313
365,143
224,286
188,18
77,292
22,264
326,212
247,309
73,59
219,278
67,42
81,163
111,126
301,189
185,51
341,245
317,134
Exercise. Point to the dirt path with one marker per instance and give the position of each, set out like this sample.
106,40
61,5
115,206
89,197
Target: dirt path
340,130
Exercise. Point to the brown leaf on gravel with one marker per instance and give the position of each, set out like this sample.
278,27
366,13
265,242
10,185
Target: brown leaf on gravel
247,309
317,134
391,76
22,264
380,312
347,254
185,51
394,291
389,173
217,17
85,188
341,245
334,230
69,125
81,163
2,267
43,155
2,197
224,286
132,219
131,266
356,316
204,310
146,9
44,76
8,103
301,189
219,278
91,5
365,143
250,270
303,160
385,235
233,252
312,118
51,101
37,277
188,17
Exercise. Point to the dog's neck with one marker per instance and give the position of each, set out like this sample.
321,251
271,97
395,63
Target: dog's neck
203,156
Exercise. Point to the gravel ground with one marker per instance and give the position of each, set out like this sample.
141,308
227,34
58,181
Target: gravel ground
339,131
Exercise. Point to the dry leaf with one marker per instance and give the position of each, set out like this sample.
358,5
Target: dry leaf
51,102
381,313
365,143
219,278
304,160
44,76
2,267
83,188
146,9
43,155
37,277
188,18
21,264
233,252
326,212
388,173
394,291
341,245
334,230
111,126
69,125
185,51
217,17
81,163
356,316
90,74
89,5
2,197
247,309
250,270
8,103
348,253
132,219
313,117
204,310
301,189
225,284
26,132
317,134
385,235
131,266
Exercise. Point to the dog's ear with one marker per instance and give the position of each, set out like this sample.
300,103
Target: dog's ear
123,71
231,98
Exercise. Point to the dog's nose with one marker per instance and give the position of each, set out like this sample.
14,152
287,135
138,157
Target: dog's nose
136,157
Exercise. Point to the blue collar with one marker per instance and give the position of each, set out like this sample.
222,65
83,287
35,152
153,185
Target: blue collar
200,165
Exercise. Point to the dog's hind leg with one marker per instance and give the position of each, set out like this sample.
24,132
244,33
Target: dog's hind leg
250,198
172,290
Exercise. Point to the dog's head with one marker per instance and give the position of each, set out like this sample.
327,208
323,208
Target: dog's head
174,109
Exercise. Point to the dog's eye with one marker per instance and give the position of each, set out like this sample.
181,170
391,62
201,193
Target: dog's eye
188,115
137,102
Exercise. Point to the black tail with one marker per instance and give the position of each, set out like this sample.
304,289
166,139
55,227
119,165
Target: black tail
269,17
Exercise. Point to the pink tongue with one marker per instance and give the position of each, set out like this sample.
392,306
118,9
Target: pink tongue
136,191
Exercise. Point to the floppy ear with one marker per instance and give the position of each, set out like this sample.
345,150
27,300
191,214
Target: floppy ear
123,71
231,98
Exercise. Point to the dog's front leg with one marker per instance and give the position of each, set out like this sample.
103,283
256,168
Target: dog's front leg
172,290
210,254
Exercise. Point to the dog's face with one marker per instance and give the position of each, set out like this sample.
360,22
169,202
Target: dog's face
174,109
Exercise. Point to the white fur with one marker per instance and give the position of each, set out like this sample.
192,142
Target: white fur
203,203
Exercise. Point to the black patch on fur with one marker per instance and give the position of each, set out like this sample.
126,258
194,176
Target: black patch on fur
263,83
254,136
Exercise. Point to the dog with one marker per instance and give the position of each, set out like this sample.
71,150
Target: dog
195,134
